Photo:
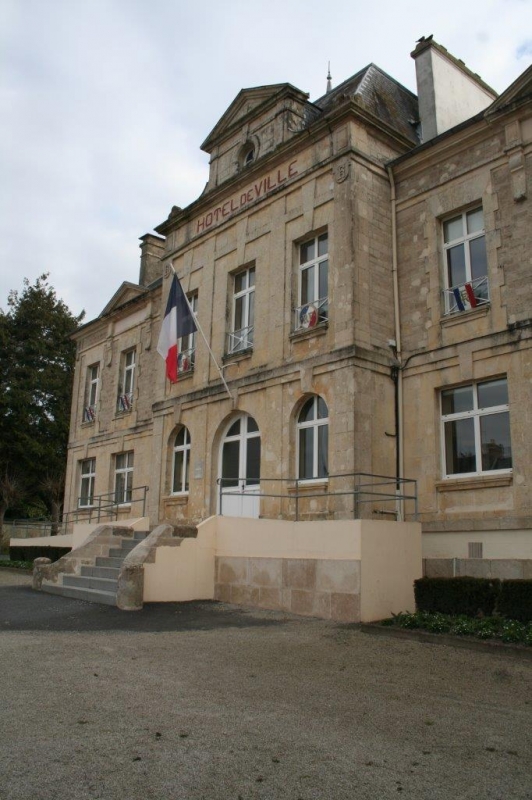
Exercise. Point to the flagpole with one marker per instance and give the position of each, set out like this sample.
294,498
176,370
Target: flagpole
196,321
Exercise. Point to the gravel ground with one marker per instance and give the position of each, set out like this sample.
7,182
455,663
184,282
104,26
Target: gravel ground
203,701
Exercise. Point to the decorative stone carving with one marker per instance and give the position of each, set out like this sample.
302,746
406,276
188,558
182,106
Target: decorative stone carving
341,171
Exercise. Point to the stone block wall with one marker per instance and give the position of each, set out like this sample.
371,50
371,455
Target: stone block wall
324,588
502,568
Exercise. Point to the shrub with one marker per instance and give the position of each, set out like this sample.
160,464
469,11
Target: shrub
468,596
515,600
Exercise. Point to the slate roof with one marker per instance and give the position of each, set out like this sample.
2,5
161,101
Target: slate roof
382,96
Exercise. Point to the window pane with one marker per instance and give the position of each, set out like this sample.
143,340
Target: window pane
324,270
129,457
178,471
230,463
308,251
121,461
234,430
180,438
453,229
253,460
492,393
323,448
307,286
239,313
251,309
477,254
120,483
460,447
306,438
323,244
323,411
475,220
308,411
454,401
495,439
240,282
252,425
130,358
456,271
251,277
129,486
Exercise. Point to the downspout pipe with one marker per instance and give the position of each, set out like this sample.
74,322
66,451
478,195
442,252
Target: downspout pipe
397,372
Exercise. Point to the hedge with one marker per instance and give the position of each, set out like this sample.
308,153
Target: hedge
474,597
31,553
515,600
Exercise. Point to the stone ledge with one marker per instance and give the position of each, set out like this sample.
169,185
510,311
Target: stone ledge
478,482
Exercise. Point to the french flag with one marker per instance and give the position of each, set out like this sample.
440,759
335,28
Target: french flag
178,322
465,297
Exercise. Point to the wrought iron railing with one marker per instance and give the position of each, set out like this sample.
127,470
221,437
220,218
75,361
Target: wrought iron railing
466,296
379,495
311,314
106,507
89,414
238,341
186,360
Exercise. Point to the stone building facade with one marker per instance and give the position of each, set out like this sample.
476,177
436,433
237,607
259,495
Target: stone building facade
360,266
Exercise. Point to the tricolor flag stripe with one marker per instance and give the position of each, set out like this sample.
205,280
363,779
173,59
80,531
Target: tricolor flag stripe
178,322
471,295
458,298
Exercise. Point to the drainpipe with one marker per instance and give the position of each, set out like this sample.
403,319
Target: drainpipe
397,372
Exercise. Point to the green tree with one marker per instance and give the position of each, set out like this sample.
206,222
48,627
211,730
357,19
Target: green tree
36,369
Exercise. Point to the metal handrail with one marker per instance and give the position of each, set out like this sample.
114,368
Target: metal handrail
105,505
311,314
362,492
467,295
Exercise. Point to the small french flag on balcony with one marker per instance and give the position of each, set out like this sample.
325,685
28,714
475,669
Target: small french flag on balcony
178,322
465,297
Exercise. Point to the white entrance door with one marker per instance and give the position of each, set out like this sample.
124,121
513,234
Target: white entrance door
240,469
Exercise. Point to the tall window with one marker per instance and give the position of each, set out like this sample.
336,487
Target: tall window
87,478
127,380
181,462
476,428
241,336
313,278
187,345
124,477
313,439
466,266
91,392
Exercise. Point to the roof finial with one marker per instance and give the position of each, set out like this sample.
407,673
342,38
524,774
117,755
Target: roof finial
329,83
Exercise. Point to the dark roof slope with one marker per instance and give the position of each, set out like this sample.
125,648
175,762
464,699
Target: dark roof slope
382,96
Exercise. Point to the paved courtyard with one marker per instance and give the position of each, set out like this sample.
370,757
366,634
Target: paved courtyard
203,701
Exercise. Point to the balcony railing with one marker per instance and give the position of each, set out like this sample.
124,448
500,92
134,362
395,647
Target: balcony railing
466,296
124,402
311,314
238,341
186,360
89,414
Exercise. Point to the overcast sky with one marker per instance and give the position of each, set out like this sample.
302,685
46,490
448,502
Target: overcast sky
104,104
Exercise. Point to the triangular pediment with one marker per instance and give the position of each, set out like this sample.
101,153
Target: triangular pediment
520,89
246,103
127,291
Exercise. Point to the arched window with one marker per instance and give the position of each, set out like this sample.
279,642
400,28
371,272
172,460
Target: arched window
181,462
313,439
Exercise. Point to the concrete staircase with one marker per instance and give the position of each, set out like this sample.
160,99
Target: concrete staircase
98,583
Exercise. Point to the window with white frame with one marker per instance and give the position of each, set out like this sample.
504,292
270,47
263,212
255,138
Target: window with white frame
123,477
243,312
92,386
181,462
313,439
466,266
127,380
87,479
476,428
313,279
186,351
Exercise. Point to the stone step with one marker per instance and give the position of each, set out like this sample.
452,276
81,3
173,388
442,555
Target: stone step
77,593
121,552
139,536
88,582
104,561
100,572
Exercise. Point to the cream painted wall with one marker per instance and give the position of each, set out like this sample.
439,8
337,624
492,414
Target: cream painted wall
64,540
266,538
390,563
182,572
496,544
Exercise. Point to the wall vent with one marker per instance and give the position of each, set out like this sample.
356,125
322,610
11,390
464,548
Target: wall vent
474,550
